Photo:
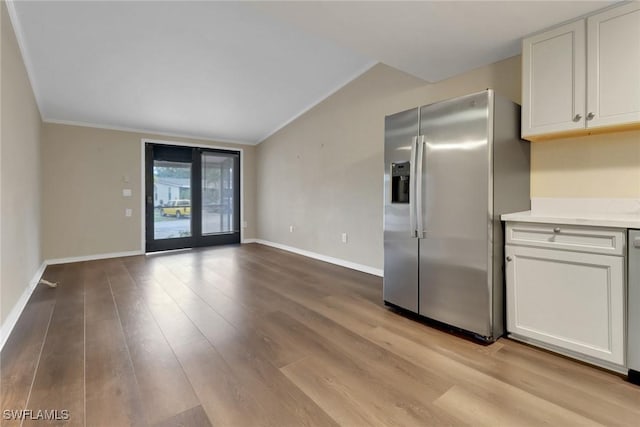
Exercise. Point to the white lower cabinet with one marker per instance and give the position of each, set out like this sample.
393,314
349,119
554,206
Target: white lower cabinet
568,300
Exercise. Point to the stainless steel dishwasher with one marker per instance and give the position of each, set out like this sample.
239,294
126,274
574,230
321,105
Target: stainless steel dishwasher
633,304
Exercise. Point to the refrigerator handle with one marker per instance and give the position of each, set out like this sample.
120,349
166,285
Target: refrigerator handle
419,205
412,187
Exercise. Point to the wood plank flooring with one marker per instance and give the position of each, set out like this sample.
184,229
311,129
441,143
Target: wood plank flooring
254,336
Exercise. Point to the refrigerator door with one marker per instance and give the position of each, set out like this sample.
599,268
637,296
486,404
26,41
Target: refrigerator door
454,251
400,283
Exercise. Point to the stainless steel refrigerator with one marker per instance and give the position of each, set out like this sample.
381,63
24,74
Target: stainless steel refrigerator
450,170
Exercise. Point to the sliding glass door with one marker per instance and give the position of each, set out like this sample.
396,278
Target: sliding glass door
192,197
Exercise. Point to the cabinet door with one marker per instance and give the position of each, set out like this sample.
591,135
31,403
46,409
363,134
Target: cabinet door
571,300
613,67
553,80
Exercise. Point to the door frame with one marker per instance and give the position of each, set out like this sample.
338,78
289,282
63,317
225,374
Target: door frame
143,216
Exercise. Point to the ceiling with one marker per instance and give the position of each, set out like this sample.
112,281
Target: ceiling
239,71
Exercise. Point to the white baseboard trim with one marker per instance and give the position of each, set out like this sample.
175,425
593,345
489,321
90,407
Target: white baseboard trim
325,258
249,241
92,257
16,311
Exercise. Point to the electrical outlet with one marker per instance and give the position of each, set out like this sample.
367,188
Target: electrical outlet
126,192
128,212
291,229
245,224
344,237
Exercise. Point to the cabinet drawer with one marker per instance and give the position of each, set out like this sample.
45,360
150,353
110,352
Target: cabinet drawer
610,241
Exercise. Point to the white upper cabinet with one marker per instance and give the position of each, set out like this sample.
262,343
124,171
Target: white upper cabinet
553,80
613,66
583,75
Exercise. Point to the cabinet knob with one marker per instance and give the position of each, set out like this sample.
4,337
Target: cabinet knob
556,230
590,116
509,258
577,118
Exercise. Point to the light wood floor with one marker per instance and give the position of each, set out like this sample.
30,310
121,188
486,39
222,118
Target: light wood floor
253,336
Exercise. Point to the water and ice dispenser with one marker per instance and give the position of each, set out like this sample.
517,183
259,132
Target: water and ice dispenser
400,181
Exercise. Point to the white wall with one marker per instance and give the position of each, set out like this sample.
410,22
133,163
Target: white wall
323,173
20,183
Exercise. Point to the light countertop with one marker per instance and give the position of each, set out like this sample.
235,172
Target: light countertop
588,219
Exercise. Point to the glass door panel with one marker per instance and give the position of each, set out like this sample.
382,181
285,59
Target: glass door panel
172,199
218,194
169,177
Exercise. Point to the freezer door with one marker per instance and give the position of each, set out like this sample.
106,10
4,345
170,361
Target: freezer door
400,284
454,272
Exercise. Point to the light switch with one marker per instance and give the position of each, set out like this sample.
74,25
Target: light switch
126,192
128,212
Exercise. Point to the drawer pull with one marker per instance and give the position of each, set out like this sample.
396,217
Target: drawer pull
556,230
